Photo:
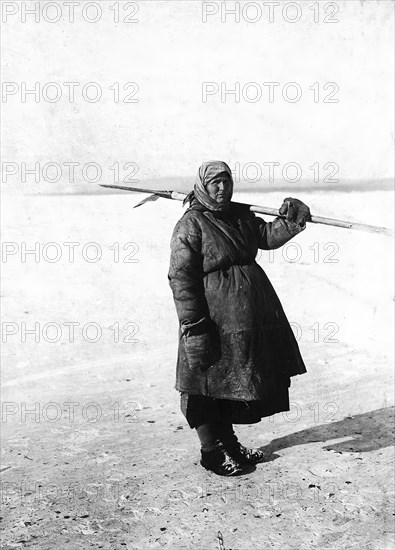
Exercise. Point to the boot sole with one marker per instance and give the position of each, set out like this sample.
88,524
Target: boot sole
222,473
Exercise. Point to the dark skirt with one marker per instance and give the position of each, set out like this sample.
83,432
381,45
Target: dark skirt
202,409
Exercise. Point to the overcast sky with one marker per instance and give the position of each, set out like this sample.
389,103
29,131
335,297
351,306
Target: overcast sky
170,53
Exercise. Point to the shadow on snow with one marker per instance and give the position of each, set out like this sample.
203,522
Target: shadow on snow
365,432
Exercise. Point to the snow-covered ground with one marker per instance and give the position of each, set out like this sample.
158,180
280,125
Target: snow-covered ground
107,461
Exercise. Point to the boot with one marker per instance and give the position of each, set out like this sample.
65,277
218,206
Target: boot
245,456
220,462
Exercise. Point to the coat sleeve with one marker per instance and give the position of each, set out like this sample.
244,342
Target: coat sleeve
186,274
276,233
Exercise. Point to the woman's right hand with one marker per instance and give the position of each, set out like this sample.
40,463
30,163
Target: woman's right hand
202,345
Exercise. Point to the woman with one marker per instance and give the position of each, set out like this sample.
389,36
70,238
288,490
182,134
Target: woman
236,350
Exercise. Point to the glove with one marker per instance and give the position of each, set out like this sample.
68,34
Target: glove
296,211
202,344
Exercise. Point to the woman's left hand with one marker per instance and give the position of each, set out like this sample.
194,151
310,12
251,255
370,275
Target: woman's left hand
295,211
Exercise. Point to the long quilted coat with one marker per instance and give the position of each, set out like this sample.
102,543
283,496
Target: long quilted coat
213,274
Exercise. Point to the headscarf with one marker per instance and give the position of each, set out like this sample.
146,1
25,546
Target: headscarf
206,173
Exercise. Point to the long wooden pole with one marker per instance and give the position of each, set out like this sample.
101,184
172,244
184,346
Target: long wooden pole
176,195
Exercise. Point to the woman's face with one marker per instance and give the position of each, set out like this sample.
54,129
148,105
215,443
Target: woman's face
220,188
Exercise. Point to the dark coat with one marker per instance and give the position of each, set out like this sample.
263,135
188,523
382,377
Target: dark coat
214,276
